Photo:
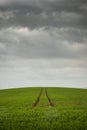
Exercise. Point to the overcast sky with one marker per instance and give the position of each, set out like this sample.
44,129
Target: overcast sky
43,43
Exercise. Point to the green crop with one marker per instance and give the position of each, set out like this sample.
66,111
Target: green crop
69,111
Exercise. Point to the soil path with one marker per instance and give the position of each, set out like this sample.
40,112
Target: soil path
38,98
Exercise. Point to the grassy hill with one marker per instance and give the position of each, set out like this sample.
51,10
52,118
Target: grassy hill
69,111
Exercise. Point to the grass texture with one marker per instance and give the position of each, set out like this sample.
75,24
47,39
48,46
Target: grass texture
69,111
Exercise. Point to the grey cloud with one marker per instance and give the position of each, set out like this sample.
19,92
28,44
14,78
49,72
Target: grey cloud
41,43
45,14
20,72
43,40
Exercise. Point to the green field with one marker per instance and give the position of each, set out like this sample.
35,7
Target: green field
69,112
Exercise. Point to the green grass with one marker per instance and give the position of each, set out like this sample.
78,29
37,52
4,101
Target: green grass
69,113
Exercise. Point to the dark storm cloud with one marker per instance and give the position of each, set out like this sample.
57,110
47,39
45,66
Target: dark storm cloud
63,24
44,13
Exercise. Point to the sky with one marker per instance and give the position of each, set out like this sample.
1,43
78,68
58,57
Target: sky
43,43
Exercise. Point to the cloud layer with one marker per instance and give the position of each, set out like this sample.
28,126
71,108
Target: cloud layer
43,42
43,13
